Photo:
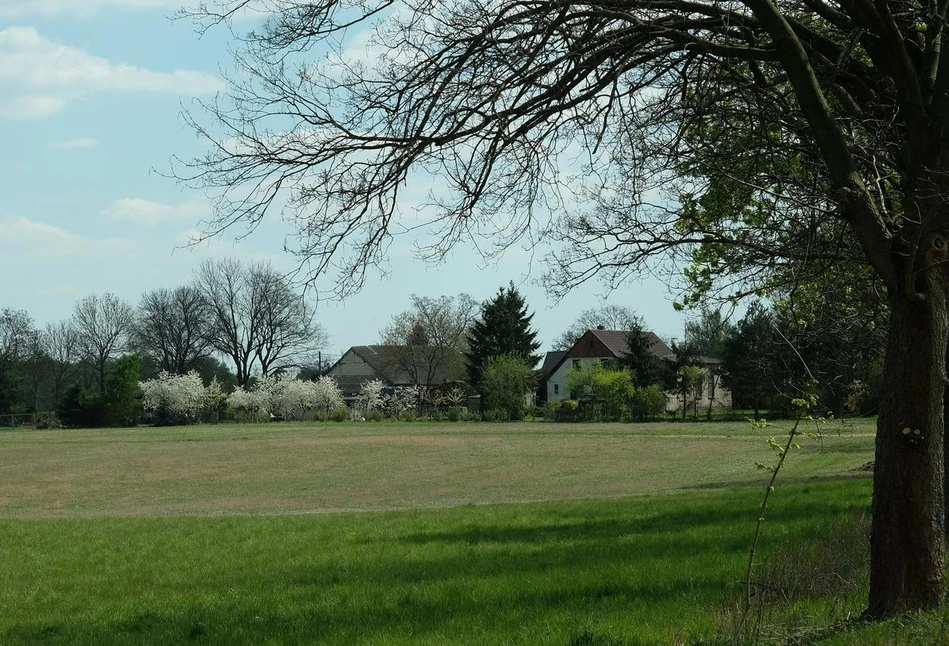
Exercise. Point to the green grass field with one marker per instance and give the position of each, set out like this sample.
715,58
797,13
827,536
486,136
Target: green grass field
422,533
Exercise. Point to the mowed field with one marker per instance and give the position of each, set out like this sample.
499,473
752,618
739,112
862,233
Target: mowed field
407,533
292,469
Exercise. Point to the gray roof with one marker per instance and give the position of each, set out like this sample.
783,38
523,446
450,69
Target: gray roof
399,365
551,359
616,341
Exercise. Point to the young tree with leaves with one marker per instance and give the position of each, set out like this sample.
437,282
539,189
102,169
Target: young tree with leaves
505,382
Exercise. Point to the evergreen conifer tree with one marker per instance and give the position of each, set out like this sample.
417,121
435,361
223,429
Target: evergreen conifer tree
504,328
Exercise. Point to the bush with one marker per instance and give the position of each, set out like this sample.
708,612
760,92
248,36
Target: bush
505,383
647,402
408,415
457,414
496,415
375,416
604,391
78,409
340,414
566,411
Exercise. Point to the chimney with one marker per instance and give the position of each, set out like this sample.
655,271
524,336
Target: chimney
600,327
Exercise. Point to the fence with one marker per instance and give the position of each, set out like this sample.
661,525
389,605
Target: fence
38,420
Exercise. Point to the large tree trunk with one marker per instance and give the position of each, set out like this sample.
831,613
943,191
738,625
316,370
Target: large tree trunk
945,453
907,546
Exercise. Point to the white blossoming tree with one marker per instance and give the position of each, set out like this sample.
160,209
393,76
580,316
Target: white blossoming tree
178,399
286,397
401,400
327,396
370,397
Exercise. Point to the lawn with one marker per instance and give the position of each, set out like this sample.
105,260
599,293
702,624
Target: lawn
477,534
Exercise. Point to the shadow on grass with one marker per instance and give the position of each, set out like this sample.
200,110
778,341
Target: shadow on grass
513,574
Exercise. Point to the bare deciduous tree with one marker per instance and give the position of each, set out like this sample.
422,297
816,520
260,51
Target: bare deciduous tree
173,327
258,321
61,346
802,133
611,317
103,326
432,336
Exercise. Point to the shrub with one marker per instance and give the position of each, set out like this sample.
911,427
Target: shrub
505,383
603,392
566,411
340,414
457,414
375,416
647,402
495,415
78,409
409,415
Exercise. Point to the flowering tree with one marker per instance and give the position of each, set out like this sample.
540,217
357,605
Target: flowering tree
327,395
246,403
178,399
401,400
286,397
370,396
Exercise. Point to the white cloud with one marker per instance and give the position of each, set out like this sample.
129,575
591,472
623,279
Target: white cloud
27,107
74,144
41,76
152,213
21,237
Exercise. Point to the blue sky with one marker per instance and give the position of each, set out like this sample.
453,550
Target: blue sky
91,93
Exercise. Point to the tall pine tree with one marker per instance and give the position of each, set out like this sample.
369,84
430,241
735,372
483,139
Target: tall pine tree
504,328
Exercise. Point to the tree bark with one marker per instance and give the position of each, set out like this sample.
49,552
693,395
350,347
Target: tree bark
945,455
907,547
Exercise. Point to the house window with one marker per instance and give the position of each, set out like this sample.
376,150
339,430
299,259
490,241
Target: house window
576,364
556,389
711,386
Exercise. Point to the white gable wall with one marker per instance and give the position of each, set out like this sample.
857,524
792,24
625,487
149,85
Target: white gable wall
557,384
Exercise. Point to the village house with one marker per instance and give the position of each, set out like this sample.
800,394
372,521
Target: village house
395,366
609,347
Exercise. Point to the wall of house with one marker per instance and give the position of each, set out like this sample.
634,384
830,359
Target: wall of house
557,384
350,372
557,390
720,399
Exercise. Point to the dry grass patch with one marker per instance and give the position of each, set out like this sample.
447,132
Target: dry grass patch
294,468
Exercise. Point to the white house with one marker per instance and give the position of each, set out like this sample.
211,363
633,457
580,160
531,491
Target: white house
607,346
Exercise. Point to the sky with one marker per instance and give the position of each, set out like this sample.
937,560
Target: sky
91,100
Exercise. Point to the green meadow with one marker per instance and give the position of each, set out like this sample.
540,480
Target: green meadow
431,534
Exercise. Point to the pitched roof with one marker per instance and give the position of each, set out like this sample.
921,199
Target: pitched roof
616,341
395,365
551,359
